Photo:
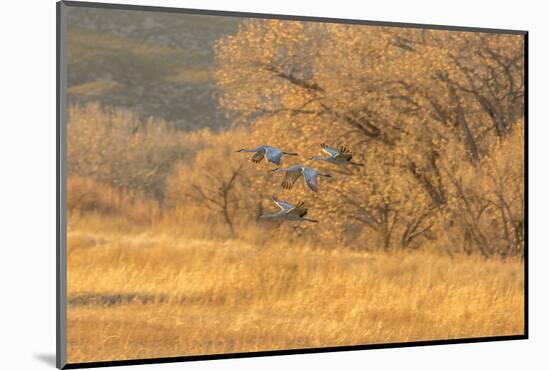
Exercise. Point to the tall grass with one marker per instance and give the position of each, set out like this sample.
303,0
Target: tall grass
159,292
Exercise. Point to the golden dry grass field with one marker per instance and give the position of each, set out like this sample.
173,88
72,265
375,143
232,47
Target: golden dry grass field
160,293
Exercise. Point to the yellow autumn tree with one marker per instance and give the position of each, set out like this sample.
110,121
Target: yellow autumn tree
405,100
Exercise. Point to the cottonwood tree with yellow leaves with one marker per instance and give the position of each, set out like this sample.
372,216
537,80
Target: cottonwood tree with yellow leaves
424,109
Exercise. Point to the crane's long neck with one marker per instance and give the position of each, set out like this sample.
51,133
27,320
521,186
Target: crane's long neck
269,215
319,158
248,150
309,219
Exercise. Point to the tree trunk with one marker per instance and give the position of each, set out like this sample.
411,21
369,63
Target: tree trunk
461,121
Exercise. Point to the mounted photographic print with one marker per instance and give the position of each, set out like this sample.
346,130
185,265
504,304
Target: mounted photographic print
234,184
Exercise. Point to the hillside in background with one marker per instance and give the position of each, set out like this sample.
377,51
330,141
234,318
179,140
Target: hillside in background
156,64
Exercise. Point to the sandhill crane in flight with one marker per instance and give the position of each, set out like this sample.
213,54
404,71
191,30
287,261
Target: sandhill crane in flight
336,156
288,211
292,173
271,154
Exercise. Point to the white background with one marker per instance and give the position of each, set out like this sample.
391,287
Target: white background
27,186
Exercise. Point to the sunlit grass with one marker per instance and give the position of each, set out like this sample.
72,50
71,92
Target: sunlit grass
231,296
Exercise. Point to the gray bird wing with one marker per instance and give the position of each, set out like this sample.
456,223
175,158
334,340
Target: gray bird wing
345,156
310,177
291,177
299,210
258,156
344,153
284,206
330,150
273,155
